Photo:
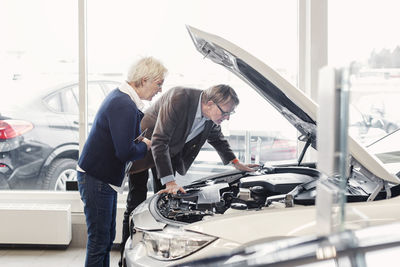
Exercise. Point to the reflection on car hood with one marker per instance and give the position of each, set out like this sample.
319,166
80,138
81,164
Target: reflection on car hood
292,103
281,224
311,249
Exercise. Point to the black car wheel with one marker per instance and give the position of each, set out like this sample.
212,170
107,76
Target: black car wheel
59,172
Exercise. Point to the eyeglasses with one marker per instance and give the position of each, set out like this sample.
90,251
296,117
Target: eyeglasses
159,85
158,82
224,113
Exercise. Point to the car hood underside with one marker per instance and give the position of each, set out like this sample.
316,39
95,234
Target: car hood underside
291,102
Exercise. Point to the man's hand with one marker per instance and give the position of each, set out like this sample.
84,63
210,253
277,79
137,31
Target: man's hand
172,188
245,167
146,141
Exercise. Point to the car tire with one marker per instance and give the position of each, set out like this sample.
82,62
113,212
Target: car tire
59,171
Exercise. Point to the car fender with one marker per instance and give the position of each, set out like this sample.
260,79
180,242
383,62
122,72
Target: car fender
67,151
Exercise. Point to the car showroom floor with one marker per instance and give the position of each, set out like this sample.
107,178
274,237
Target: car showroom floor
70,257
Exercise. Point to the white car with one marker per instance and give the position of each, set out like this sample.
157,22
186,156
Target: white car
373,246
223,212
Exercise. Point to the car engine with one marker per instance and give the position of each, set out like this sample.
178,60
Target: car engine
236,190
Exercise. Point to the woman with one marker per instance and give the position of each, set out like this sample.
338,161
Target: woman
110,145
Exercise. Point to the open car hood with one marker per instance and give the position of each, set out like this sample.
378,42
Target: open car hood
291,102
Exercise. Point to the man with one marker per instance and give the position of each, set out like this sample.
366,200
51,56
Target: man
178,124
110,145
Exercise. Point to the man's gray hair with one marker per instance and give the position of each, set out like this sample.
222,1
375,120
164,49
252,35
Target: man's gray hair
220,93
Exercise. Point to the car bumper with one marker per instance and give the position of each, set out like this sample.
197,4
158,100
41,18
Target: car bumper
22,162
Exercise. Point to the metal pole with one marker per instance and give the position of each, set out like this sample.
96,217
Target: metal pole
247,154
83,129
343,158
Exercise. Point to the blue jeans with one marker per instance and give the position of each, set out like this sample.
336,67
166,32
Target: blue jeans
100,206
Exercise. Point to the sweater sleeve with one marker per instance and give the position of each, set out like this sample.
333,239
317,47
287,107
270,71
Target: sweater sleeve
124,123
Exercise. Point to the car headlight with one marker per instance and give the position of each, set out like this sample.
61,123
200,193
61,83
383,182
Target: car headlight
173,244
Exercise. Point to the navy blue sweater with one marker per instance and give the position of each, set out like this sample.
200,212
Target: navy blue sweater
110,143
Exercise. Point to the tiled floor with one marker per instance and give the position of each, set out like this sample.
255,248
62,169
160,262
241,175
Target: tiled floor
70,257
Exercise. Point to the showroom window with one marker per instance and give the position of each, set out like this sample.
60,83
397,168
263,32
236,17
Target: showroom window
39,52
362,36
122,31
39,63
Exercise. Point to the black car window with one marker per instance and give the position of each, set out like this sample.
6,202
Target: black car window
69,102
54,102
95,97
108,86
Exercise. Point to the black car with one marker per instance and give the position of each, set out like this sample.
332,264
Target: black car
39,133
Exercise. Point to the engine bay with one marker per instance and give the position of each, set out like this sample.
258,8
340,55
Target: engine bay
236,190
255,190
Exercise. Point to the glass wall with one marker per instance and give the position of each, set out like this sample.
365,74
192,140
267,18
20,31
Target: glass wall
39,71
363,36
122,31
38,106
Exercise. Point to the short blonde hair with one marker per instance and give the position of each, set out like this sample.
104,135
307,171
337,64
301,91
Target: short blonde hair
147,67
